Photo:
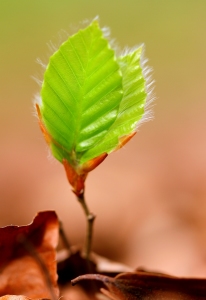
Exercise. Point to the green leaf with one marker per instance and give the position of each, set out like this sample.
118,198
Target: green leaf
131,108
91,101
81,93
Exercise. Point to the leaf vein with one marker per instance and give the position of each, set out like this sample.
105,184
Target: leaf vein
48,105
99,100
69,65
65,83
100,66
56,129
99,82
77,55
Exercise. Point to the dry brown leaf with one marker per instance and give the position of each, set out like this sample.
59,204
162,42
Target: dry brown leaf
16,297
28,258
149,286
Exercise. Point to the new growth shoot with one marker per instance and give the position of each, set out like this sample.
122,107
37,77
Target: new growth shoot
92,102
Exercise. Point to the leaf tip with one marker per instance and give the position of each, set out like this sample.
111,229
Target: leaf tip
93,163
124,140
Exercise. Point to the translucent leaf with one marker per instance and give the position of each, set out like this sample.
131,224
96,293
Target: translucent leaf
131,107
91,101
81,93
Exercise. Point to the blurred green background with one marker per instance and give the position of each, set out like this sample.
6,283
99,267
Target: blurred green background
150,197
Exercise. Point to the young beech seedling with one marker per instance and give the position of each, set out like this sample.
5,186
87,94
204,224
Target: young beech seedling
91,103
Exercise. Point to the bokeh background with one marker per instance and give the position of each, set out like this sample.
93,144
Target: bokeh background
150,197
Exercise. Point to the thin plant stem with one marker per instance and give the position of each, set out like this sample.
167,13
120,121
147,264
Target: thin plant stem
90,220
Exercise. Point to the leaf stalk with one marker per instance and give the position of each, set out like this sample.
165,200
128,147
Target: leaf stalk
90,221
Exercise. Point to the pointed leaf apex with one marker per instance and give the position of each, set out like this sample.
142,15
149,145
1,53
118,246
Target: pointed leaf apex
124,140
93,163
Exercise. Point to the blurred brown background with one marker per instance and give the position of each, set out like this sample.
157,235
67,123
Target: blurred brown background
150,197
